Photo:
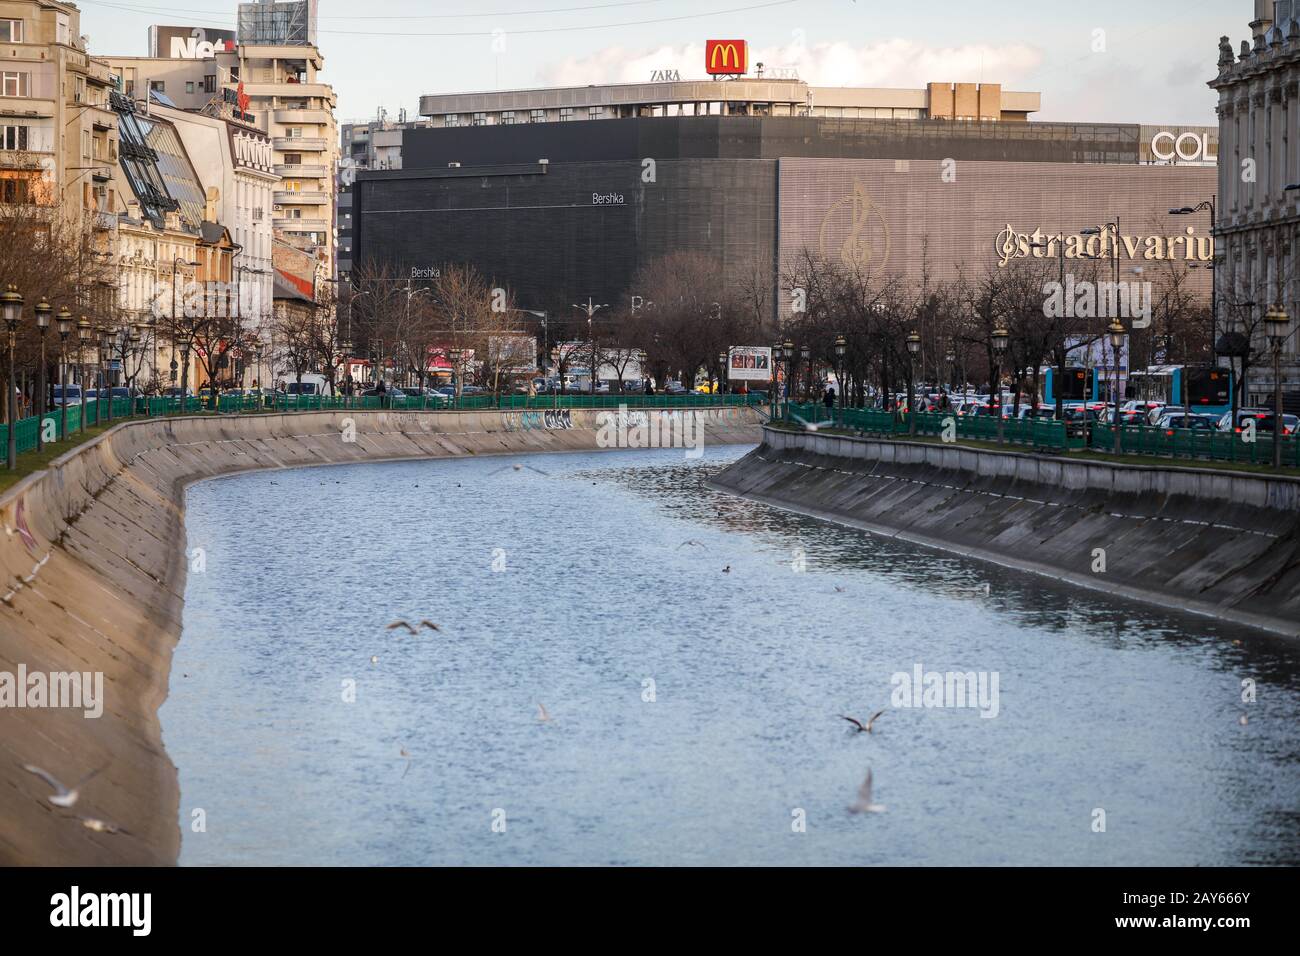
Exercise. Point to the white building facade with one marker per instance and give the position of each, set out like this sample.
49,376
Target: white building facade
1258,213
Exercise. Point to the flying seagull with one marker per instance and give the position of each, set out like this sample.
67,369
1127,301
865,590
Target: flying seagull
400,624
811,426
518,467
542,715
692,542
863,804
63,796
405,755
102,826
862,728
429,626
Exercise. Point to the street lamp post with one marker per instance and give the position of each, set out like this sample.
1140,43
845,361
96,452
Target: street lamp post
805,356
11,303
64,321
1116,343
841,349
1214,272
722,371
776,370
913,349
43,312
591,309
1276,323
788,351
1000,339
83,337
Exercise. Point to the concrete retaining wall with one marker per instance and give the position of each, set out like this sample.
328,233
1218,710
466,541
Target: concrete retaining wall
92,576
1214,542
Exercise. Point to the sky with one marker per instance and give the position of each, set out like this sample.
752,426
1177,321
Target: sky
1123,61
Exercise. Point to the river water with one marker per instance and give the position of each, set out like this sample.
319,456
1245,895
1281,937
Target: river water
693,711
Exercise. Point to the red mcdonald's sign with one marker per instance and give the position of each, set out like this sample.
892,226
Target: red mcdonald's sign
726,57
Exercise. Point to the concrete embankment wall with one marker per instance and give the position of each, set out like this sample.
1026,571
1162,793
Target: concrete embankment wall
1213,542
92,576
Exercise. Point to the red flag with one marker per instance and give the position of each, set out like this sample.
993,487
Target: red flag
242,97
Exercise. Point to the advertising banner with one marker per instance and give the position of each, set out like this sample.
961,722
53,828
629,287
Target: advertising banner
749,363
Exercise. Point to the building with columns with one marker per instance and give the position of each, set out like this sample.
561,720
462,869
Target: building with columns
1258,209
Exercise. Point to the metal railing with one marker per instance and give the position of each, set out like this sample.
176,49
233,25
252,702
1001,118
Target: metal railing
1036,433
1049,435
27,430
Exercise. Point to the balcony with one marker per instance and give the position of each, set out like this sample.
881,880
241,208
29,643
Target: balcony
300,198
301,171
298,117
26,107
300,144
103,221
304,225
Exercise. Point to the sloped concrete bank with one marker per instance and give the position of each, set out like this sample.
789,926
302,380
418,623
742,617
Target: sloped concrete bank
92,576
1225,544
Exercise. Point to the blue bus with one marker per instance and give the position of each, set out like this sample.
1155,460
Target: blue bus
1203,389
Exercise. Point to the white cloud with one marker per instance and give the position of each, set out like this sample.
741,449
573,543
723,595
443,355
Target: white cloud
889,63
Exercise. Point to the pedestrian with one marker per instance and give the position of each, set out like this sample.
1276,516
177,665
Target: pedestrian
829,398
649,385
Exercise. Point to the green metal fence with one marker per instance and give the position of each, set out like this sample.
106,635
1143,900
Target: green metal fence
28,430
1037,433
1156,442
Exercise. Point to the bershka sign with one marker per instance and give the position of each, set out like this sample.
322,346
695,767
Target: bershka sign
1189,247
607,199
726,57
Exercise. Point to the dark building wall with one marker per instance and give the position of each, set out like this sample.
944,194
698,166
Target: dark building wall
744,137
545,236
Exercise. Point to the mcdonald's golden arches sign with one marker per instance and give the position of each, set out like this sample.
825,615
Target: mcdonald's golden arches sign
726,57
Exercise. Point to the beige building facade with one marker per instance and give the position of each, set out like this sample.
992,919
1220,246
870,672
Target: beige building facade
1258,207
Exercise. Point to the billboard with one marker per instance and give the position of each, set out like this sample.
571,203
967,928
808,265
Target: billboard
749,363
726,57
189,43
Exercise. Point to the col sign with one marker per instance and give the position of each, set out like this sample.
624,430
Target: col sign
1188,147
726,57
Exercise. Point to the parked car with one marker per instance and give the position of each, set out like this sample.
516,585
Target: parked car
72,396
1183,420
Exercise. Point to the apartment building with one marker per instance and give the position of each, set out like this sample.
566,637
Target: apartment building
58,134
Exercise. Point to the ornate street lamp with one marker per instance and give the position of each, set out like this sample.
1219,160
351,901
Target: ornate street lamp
83,338
43,312
778,355
455,354
722,370
65,324
11,304
1116,332
790,368
913,350
805,353
1001,338
1277,325
841,349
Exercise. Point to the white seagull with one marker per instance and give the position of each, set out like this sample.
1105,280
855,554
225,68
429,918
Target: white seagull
102,826
864,804
542,715
63,796
810,426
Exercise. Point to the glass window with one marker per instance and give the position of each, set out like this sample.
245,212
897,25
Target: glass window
452,119
13,137
189,86
508,118
15,84
595,112
11,31
210,83
537,116
566,113
158,85
480,119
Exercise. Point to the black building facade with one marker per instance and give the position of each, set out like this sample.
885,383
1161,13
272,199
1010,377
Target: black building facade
558,212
